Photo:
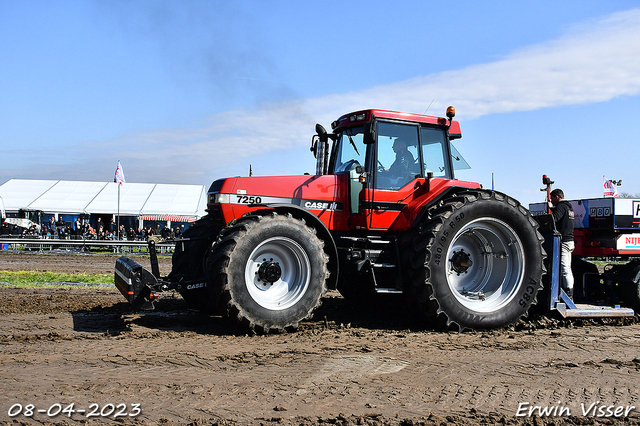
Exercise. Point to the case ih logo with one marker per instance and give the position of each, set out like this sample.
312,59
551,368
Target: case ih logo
636,209
600,211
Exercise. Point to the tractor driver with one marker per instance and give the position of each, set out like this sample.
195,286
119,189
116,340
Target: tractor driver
563,216
404,162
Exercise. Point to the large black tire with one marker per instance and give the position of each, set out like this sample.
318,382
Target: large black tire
187,263
477,262
267,272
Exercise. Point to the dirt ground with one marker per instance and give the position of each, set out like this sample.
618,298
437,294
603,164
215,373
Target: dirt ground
346,366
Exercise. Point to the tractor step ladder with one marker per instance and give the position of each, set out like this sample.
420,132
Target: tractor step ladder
392,245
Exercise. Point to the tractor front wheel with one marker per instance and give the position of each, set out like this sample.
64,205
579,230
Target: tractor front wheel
267,272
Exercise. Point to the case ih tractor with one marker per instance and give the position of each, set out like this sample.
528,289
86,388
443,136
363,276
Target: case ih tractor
382,214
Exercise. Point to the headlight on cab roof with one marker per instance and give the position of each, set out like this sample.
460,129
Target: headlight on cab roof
358,117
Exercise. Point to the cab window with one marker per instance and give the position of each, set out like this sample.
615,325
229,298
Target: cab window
434,152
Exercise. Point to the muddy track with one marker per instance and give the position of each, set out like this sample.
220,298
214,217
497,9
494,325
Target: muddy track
345,366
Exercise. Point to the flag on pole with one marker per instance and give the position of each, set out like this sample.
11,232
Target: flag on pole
119,178
610,189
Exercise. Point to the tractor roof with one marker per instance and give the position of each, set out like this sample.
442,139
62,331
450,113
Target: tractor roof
354,118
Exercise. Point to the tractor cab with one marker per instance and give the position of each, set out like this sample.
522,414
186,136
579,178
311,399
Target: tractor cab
391,158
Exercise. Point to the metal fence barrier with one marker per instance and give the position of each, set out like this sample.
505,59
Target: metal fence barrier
50,244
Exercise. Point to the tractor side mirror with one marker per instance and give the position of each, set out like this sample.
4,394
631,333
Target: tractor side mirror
370,132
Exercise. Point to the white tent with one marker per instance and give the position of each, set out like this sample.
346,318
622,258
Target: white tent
174,199
76,197
67,197
18,194
133,196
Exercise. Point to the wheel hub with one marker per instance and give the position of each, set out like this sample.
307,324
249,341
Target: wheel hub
461,262
269,271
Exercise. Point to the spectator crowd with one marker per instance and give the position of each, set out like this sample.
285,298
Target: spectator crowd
83,229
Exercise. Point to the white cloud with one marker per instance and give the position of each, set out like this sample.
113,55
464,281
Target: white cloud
594,62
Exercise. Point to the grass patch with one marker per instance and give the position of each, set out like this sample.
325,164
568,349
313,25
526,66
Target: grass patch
30,277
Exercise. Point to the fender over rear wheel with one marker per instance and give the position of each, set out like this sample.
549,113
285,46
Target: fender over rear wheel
267,273
477,262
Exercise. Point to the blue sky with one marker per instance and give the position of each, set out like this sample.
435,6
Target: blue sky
187,92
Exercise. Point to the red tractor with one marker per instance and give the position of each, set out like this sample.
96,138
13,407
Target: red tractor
382,214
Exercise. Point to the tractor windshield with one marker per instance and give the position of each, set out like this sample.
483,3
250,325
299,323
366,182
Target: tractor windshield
350,150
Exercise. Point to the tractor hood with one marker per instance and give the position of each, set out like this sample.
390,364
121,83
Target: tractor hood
311,192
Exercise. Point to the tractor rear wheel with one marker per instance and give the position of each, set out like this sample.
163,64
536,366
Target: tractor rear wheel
267,272
477,262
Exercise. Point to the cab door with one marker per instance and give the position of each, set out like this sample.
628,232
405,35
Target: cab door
398,173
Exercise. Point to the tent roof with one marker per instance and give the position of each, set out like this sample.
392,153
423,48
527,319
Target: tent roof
67,197
173,199
77,197
133,196
18,194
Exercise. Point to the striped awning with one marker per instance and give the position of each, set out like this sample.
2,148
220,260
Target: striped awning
168,217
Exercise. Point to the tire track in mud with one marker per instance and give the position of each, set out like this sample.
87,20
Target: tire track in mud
181,365
239,378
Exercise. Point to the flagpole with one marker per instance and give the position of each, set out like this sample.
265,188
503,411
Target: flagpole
119,180
118,217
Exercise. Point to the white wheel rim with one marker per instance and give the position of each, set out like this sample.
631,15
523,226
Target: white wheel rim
485,265
295,273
